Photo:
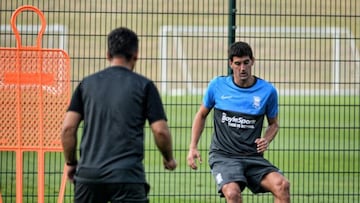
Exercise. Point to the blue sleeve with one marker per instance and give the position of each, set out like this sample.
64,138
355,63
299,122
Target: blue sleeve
209,97
272,106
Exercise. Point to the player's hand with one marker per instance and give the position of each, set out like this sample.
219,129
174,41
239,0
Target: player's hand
262,144
70,171
170,165
191,158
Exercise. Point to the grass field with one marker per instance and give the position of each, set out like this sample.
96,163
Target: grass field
318,145
317,148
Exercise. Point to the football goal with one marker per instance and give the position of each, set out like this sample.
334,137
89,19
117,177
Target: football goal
55,36
298,60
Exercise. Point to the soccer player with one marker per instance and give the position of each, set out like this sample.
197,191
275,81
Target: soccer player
114,105
240,102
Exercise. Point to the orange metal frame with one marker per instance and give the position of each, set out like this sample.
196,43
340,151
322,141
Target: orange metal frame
35,90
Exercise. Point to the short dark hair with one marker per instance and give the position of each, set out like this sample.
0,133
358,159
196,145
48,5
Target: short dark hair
122,42
240,49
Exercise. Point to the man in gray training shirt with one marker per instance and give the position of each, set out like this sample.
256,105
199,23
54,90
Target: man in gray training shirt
114,105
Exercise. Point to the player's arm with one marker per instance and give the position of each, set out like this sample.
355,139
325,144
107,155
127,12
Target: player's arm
197,129
69,135
163,141
272,129
71,122
270,133
69,141
158,123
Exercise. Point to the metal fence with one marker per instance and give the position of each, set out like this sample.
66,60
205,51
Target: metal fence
308,49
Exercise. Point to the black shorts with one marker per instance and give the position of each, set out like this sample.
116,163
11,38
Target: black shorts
111,192
246,171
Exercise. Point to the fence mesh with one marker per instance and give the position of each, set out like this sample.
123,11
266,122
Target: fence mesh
308,49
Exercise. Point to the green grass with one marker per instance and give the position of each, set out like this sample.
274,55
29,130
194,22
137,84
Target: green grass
317,147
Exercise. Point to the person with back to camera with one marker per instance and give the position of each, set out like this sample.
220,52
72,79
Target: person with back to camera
114,105
240,102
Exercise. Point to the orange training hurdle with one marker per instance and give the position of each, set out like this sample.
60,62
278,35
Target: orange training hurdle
34,94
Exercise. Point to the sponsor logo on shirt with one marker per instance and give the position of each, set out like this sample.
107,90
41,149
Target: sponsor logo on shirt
238,122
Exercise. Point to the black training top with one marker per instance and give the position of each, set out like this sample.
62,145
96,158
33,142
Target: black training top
115,104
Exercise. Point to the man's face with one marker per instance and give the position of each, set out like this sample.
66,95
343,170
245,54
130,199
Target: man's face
241,67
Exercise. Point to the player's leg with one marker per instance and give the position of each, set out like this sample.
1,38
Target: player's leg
229,176
89,193
129,192
232,192
263,176
278,185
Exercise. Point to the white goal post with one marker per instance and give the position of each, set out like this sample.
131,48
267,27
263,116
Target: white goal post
173,35
52,31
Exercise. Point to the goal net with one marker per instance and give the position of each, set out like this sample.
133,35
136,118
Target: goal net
55,36
298,60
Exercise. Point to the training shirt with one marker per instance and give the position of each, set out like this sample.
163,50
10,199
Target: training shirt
239,114
115,104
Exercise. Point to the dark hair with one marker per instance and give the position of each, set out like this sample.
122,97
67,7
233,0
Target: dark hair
122,42
240,49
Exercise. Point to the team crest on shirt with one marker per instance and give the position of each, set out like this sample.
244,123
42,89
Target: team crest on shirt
256,102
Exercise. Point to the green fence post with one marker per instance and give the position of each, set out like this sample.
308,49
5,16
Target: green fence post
231,27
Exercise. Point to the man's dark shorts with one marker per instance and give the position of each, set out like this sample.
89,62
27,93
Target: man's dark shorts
111,192
247,171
